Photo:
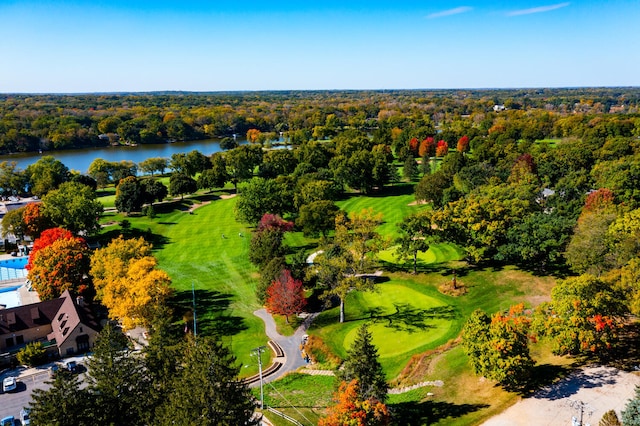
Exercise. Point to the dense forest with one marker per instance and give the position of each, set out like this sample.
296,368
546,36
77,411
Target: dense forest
53,122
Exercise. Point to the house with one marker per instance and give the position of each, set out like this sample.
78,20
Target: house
65,324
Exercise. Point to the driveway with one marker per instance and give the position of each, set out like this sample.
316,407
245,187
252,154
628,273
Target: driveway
596,389
290,344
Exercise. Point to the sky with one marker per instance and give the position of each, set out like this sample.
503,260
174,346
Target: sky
76,46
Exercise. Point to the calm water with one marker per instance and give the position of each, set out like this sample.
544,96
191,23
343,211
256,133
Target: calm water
80,159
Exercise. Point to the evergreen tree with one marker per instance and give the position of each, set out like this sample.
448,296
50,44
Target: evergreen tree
209,391
63,404
362,364
631,412
116,380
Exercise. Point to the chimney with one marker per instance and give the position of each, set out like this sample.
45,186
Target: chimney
80,301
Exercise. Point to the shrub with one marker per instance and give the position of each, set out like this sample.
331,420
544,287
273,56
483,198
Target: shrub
33,354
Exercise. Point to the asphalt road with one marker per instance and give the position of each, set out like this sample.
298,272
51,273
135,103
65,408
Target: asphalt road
290,344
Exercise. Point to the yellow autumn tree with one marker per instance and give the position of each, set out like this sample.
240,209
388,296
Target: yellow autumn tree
134,298
127,281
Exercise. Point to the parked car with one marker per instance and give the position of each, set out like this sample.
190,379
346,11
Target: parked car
72,366
25,416
8,421
53,370
9,384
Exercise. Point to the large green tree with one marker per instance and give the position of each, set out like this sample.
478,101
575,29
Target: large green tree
116,379
180,184
63,404
45,175
73,206
210,392
416,235
362,364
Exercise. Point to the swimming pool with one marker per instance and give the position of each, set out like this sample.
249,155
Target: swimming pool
15,263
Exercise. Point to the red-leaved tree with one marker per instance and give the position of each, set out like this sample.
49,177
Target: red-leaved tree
463,144
271,221
285,296
427,147
47,238
413,146
599,199
442,149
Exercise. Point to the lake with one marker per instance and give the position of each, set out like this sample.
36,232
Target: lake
80,159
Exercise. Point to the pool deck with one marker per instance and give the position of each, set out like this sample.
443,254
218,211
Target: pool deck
23,295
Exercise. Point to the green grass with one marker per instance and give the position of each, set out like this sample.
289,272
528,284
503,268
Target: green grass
394,203
190,248
300,396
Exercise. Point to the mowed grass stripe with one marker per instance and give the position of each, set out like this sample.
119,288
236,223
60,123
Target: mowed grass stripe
196,252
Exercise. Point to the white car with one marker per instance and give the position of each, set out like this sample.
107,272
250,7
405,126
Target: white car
9,384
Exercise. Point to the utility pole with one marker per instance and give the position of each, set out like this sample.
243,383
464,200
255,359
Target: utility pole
580,407
258,352
193,294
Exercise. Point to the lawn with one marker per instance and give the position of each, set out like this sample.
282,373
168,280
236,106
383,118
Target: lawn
192,250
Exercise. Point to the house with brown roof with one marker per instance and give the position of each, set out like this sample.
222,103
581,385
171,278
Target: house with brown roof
65,324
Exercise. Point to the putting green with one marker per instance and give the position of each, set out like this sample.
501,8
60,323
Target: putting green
403,319
437,253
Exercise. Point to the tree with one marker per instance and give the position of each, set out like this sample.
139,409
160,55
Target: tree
317,217
463,144
12,180
127,281
228,143
432,186
259,196
216,176
350,409
33,354
266,242
116,379
241,162
362,364
498,347
180,184
285,296
631,412
269,272
154,164
73,206
85,180
63,265
610,418
410,169
13,223
48,237
442,149
153,190
63,404
588,249
583,317
129,195
45,175
210,392
416,236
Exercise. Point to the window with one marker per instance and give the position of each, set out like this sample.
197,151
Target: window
9,341
65,331
80,329
19,340
60,317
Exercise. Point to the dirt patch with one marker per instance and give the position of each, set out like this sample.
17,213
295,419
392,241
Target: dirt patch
225,196
599,389
417,203
195,206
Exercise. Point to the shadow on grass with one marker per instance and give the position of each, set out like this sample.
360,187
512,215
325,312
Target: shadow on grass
212,318
158,241
409,318
429,412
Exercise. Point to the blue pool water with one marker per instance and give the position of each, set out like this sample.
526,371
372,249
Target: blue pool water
17,263
8,289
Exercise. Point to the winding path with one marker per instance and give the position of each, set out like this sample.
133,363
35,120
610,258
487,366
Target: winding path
290,344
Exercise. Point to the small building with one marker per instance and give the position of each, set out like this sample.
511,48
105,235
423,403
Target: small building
66,325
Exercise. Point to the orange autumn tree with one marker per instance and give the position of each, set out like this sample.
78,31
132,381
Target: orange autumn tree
427,147
463,144
34,222
62,265
442,149
128,282
47,238
350,410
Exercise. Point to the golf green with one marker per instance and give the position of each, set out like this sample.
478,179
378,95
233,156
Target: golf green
403,320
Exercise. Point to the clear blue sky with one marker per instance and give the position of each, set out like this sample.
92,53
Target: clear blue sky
209,45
